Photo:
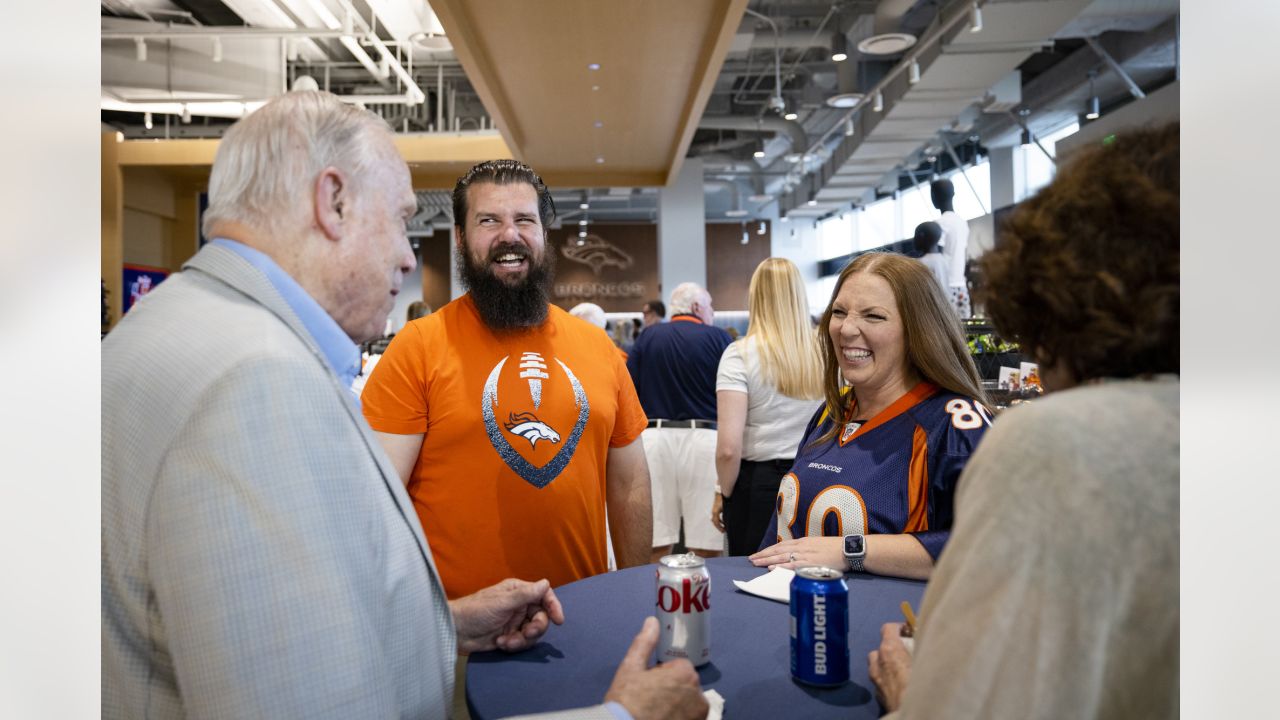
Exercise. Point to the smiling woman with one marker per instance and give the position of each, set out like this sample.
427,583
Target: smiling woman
873,483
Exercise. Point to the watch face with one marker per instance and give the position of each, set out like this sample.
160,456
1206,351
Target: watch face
854,545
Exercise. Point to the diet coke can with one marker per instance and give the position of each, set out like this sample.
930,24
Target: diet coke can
684,609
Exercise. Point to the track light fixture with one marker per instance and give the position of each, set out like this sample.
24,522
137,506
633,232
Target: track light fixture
913,73
839,48
878,104
975,16
186,114
140,48
848,127
1094,105
146,120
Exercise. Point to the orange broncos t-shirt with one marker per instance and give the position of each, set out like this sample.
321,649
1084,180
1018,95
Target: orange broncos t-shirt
510,481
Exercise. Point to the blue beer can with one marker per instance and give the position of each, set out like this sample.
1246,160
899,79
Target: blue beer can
819,627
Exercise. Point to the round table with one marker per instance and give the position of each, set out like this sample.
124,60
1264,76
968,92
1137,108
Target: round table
573,665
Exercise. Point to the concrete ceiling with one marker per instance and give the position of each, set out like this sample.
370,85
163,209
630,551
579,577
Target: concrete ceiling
677,78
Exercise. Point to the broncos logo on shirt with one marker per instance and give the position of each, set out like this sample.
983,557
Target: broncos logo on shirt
529,427
534,372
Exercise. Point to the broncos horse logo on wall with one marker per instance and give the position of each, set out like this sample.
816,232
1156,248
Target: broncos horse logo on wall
596,252
533,369
529,427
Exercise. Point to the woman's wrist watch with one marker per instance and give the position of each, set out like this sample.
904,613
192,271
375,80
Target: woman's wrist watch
855,551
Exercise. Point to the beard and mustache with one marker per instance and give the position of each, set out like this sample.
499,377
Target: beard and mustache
505,306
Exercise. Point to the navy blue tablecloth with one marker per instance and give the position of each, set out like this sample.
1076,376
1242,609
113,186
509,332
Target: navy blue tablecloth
750,666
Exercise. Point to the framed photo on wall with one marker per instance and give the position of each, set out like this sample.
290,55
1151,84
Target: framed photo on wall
138,281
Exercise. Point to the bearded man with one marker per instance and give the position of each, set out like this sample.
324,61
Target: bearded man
513,424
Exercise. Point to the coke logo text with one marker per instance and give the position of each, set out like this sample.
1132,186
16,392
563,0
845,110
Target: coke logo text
688,599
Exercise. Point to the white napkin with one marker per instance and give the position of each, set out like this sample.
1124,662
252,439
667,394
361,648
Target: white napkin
716,701
773,585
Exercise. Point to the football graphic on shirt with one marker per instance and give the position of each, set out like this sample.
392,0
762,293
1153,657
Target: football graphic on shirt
538,399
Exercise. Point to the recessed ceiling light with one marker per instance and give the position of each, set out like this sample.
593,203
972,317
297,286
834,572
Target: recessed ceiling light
595,88
598,123
584,206
844,100
600,160
811,203
886,44
593,66
736,213
582,222
839,57
758,154
790,116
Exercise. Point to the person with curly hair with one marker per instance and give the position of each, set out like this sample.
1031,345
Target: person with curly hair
1058,594
872,485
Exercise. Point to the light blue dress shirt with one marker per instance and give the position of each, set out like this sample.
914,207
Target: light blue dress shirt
339,351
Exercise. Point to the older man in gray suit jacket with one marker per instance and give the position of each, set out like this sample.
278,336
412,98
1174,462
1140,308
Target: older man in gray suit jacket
260,557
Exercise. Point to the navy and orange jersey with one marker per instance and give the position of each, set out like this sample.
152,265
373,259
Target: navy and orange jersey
895,473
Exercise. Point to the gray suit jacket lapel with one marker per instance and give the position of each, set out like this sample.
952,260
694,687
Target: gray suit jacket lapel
236,272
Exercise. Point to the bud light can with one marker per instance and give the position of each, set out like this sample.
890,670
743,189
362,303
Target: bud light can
684,609
819,627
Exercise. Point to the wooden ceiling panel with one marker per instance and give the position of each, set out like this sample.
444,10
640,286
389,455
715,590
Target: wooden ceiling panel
658,62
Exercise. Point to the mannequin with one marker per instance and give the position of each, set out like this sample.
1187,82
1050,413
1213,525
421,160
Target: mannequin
926,246
955,241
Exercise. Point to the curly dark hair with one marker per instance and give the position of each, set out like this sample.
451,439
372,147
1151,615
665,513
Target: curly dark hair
1085,274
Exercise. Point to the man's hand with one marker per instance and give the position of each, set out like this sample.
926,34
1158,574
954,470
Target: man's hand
890,667
669,690
510,616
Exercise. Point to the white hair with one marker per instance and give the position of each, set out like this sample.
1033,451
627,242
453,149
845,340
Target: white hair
267,162
683,298
590,312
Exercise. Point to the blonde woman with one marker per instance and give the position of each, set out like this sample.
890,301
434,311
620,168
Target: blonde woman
767,387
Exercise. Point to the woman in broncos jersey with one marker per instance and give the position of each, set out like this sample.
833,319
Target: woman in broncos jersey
872,486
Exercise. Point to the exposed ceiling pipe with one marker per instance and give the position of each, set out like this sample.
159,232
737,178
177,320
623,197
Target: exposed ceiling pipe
889,14
1115,66
731,185
411,88
792,129
755,174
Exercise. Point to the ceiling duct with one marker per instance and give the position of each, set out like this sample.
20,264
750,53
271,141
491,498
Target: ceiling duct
793,131
886,38
957,70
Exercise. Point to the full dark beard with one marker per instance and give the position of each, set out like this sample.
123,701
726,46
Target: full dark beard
503,306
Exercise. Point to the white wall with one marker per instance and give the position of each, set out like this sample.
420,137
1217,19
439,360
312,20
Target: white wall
682,231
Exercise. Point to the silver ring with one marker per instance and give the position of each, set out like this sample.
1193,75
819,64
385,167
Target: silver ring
793,557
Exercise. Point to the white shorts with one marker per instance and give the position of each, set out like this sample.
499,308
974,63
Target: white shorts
682,472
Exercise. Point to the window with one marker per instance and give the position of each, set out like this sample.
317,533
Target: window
836,236
1036,169
877,224
968,204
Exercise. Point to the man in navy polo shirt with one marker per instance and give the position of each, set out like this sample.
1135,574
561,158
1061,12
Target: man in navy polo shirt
673,366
